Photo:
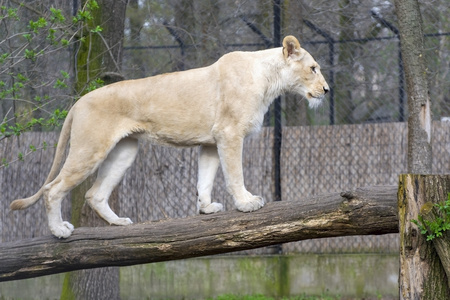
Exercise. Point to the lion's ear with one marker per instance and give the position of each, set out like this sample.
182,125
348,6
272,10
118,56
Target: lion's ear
291,48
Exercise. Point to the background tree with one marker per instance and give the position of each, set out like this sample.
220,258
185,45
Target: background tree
295,110
34,92
136,17
419,104
422,275
344,76
98,62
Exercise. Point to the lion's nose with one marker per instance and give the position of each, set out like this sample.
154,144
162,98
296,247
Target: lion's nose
326,89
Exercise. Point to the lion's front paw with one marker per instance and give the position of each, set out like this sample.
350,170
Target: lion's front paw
252,203
122,221
211,208
62,231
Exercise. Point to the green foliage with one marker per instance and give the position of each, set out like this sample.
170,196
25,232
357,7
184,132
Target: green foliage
30,54
26,93
3,57
95,84
85,14
438,226
45,34
262,297
97,29
4,163
246,297
57,16
9,13
55,119
61,82
35,26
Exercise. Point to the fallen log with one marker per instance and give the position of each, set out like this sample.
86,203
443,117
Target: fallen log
369,210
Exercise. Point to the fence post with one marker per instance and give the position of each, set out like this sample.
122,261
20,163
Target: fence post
277,102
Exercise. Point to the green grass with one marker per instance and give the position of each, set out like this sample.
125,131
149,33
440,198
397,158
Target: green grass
262,297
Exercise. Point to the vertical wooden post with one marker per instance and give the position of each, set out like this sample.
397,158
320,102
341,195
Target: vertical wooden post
421,273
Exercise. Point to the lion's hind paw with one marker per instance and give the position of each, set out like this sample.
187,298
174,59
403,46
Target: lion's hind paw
62,231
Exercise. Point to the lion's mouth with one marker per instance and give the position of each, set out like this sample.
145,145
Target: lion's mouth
316,95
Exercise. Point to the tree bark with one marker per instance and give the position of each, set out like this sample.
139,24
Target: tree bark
419,105
295,110
100,56
100,283
421,273
442,244
345,78
369,210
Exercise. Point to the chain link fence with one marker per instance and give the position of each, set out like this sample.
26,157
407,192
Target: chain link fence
355,42
357,45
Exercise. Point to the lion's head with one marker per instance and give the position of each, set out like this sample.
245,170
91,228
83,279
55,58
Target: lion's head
304,72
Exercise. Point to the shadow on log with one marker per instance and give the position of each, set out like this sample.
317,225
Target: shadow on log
369,210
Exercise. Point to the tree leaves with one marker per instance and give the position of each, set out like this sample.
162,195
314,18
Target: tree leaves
435,229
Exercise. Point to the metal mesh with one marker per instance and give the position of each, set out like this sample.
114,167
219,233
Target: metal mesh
358,48
355,42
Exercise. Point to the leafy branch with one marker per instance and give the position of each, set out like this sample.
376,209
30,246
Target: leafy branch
30,99
15,130
4,163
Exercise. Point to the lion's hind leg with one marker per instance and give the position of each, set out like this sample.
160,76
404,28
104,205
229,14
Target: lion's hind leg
110,173
75,170
54,192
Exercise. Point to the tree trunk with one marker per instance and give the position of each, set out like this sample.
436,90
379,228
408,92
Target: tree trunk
419,105
421,273
295,108
101,52
184,18
442,244
101,283
370,210
100,56
136,19
345,79
195,23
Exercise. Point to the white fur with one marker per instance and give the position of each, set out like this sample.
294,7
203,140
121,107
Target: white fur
214,107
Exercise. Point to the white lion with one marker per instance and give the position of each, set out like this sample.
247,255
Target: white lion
214,107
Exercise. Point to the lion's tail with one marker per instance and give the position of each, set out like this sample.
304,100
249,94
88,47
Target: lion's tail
59,155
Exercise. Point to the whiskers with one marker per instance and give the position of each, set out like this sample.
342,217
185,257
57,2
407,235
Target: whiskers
314,103
320,110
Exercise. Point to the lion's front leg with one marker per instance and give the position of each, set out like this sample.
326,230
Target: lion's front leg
230,152
208,163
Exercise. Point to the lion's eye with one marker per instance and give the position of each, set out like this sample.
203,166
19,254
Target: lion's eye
313,69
